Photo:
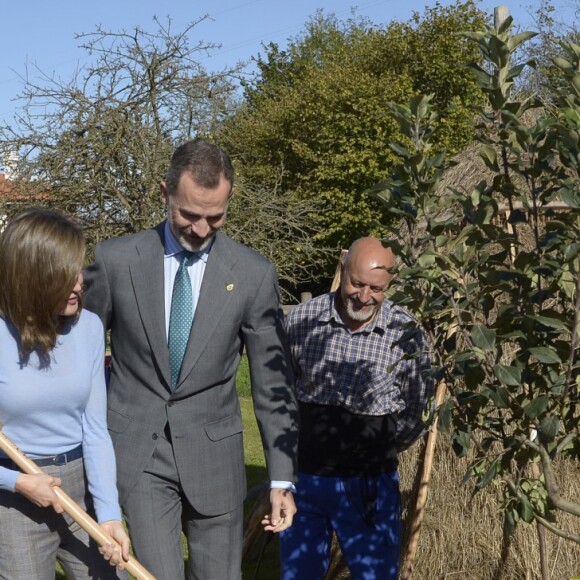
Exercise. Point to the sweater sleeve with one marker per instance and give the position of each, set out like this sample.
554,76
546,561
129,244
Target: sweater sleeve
98,450
8,479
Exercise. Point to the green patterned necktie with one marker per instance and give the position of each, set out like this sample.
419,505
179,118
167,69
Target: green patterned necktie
180,317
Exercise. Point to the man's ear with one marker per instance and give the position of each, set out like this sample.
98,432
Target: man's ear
232,191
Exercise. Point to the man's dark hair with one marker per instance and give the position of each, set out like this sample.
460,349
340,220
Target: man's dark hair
205,161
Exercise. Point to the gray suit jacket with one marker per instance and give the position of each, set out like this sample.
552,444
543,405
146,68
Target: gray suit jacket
238,307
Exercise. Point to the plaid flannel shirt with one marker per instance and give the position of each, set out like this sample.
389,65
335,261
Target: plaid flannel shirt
377,370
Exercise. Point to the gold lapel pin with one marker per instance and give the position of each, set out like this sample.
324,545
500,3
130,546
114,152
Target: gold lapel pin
229,287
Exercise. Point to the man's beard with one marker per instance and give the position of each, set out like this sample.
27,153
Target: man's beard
362,313
197,247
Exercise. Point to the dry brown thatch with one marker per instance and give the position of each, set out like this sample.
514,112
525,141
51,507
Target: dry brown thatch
462,534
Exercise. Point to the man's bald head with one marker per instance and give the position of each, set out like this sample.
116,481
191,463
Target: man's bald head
369,253
365,276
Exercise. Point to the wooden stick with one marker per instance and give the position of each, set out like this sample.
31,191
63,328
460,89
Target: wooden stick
336,280
72,508
422,492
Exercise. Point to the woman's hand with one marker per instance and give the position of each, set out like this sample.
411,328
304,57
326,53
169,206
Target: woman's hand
38,488
111,552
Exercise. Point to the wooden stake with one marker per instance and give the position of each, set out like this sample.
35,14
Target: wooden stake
336,280
422,492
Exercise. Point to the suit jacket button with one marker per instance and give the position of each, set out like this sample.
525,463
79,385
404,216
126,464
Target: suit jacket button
170,403
154,436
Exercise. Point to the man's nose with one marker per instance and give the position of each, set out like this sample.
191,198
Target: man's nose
201,228
364,295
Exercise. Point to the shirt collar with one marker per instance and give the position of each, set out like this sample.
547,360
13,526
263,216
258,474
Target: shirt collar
330,312
381,320
173,247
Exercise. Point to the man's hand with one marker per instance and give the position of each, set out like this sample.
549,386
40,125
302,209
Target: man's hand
38,489
111,552
283,510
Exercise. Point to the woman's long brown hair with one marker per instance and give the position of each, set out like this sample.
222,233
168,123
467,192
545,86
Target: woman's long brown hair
41,255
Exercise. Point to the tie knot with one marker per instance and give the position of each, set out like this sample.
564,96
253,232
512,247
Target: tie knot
186,255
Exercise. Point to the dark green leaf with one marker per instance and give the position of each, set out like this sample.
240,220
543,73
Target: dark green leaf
445,416
515,71
468,475
545,354
489,475
517,216
474,400
505,25
466,356
489,157
509,525
508,375
549,428
517,39
483,337
500,397
572,251
461,443
526,510
572,198
537,406
551,322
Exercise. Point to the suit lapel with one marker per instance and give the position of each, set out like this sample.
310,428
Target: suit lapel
147,275
217,289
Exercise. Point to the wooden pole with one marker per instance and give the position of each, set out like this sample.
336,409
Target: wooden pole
72,508
422,491
336,280
500,14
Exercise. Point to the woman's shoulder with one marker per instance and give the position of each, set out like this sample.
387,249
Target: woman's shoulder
90,322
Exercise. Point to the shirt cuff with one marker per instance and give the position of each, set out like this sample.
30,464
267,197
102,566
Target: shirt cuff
283,485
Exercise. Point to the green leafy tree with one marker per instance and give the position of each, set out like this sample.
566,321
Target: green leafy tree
319,109
500,301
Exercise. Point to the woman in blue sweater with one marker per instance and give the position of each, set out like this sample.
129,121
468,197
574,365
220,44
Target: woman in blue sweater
53,407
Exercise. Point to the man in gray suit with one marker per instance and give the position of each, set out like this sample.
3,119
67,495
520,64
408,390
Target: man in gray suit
174,414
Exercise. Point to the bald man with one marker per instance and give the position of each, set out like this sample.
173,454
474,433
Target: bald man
360,363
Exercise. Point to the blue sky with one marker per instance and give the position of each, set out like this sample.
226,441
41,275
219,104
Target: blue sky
43,33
